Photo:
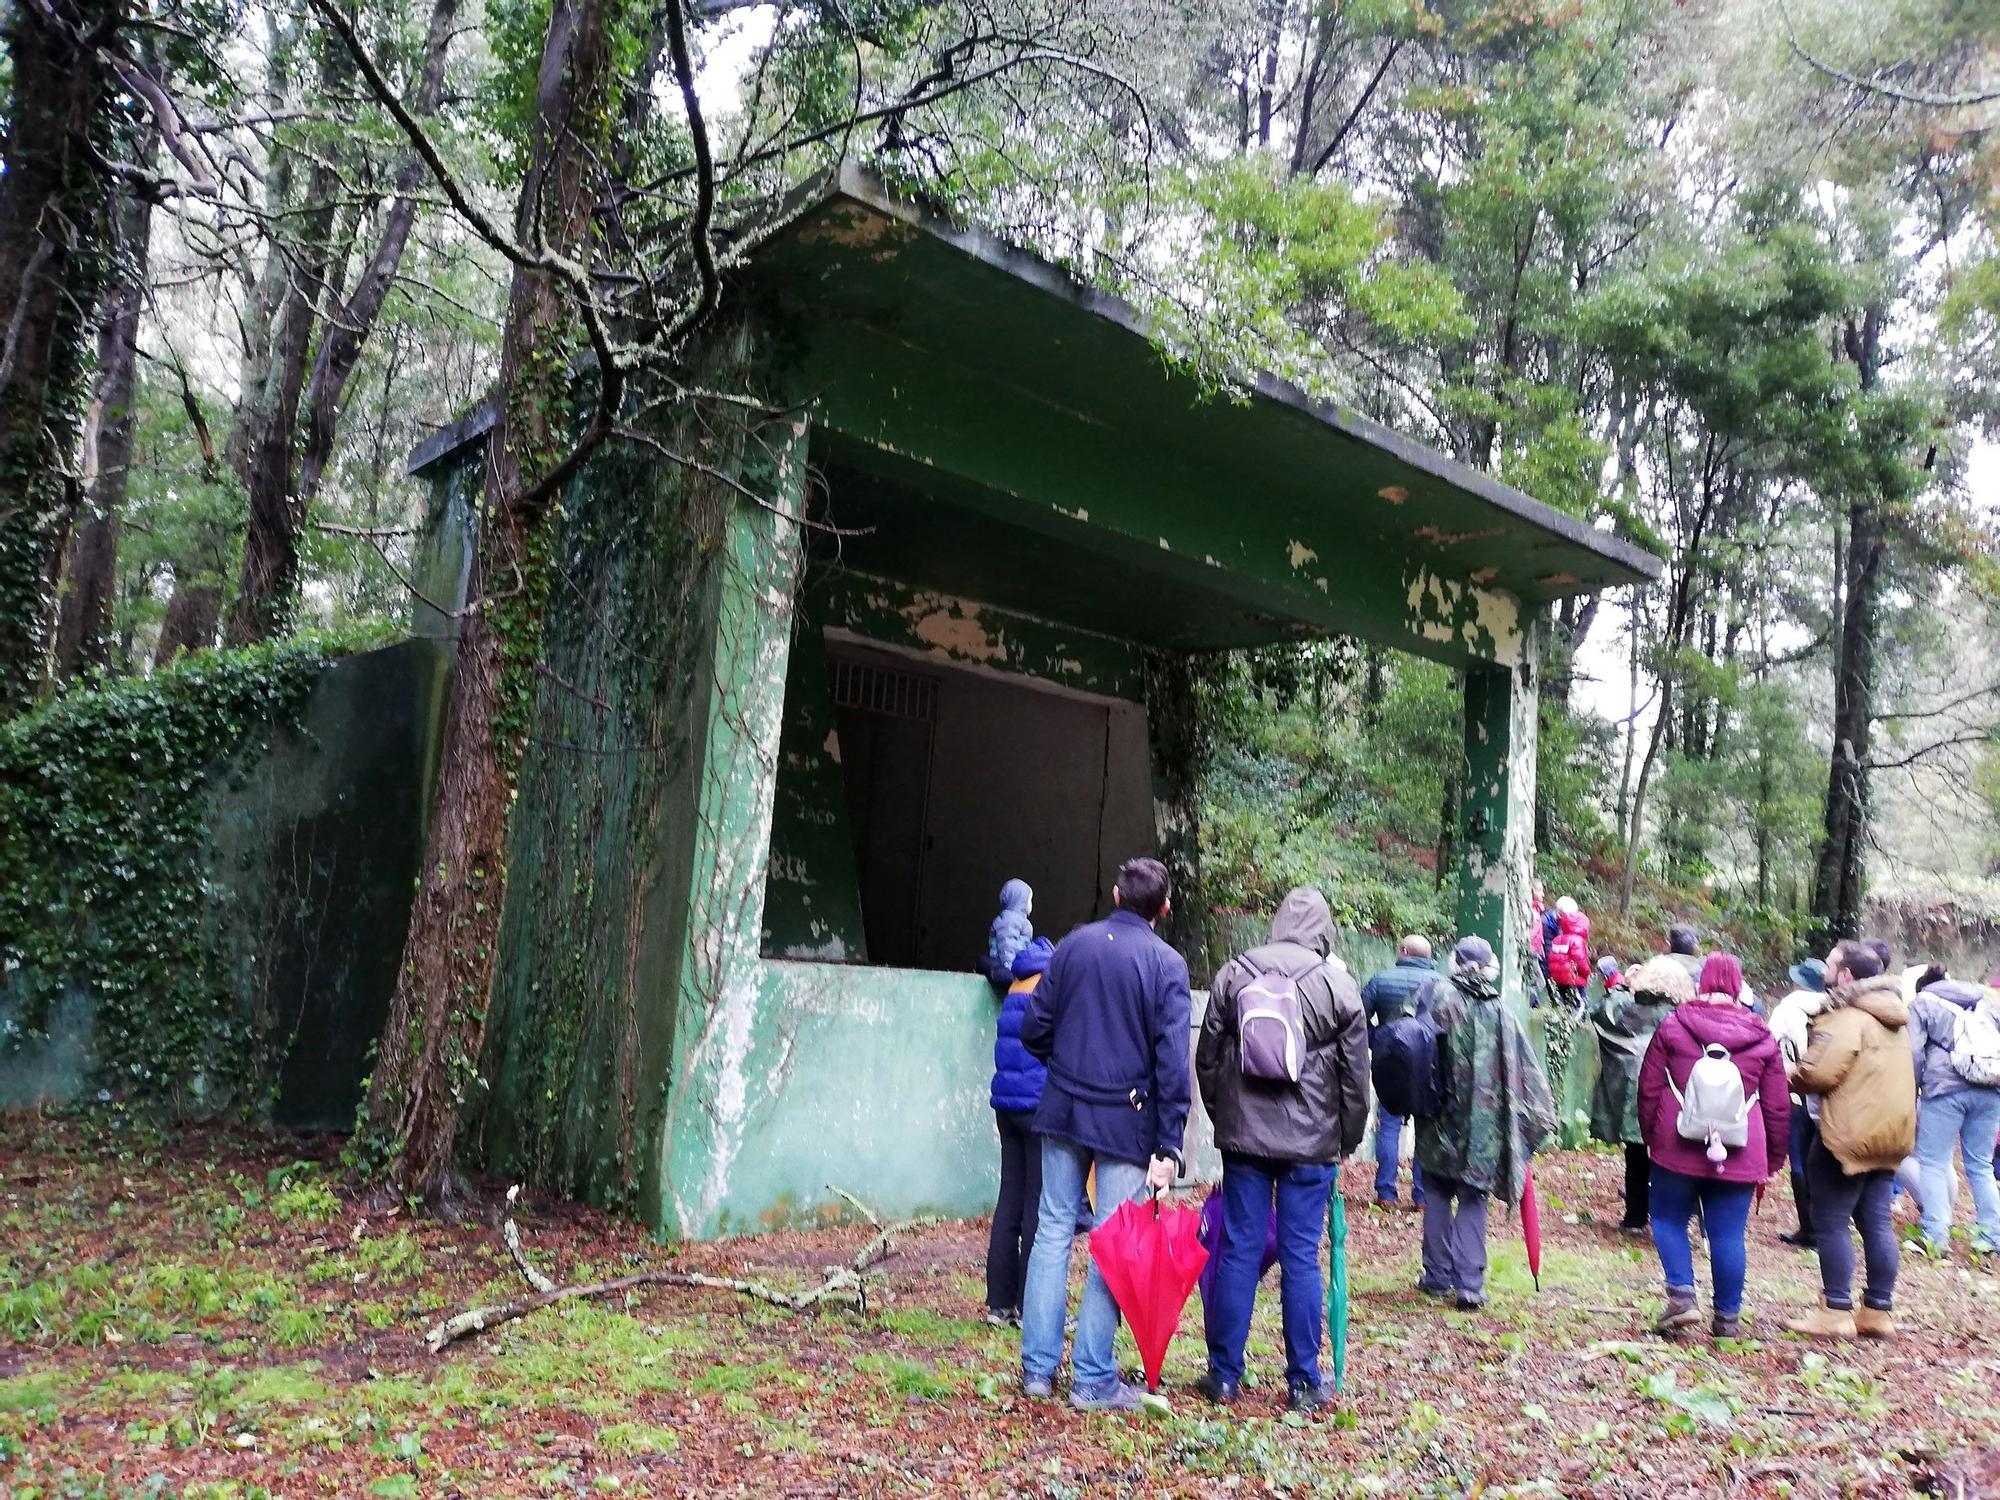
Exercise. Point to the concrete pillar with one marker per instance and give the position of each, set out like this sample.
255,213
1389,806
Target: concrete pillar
1497,811
723,1035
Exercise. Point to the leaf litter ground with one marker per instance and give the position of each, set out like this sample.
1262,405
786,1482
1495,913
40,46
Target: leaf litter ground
213,1315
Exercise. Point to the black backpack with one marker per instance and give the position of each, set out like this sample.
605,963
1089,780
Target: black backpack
1407,1063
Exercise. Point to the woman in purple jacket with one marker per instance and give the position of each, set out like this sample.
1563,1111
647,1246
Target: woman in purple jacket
1689,1175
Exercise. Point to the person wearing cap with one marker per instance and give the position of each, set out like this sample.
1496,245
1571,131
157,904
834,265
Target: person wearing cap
1791,1024
1495,1112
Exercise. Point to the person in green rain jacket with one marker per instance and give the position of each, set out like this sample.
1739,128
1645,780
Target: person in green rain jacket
1496,1112
1625,1020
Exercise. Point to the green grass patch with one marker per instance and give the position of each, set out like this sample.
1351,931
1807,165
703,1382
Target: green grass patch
633,1439
909,1378
33,1393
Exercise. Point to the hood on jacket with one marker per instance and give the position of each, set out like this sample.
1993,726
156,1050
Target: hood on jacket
1304,918
1573,922
1733,1026
1017,895
1809,975
1960,992
1659,979
1034,958
1880,997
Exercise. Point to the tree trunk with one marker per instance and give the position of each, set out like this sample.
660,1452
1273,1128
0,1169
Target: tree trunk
49,196
347,334
194,614
267,586
431,1043
1837,883
89,600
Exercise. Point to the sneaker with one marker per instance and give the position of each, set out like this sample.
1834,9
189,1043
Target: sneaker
1798,1238
1221,1392
1037,1387
1471,1301
1431,1290
1636,1231
1679,1313
1308,1398
1001,1319
1117,1396
1388,1205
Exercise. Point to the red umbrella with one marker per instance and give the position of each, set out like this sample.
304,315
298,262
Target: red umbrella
1531,1227
1150,1258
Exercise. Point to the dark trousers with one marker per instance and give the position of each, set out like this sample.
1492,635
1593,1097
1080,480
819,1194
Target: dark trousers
1638,1187
1252,1188
1016,1211
1805,1132
1862,1199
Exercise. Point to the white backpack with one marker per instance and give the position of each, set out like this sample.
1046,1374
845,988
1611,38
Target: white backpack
1975,1044
1713,1108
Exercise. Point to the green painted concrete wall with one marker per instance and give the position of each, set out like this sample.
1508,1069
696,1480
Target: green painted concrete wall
315,838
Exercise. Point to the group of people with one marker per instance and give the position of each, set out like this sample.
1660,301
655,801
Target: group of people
1708,1098
1854,1070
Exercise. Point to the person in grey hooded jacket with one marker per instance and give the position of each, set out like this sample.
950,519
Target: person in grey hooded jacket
1281,1143
1952,1111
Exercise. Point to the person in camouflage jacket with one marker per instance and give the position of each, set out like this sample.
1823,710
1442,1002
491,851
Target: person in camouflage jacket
1497,1111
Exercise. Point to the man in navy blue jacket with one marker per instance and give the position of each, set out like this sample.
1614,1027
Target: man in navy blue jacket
1112,1019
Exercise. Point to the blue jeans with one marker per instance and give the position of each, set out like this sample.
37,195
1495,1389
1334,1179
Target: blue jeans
1388,1157
1725,1213
1301,1189
1045,1298
1968,1119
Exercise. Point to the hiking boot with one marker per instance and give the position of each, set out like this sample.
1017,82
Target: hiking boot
1874,1322
1308,1398
1037,1387
1430,1289
1471,1301
1221,1392
1117,1396
1680,1312
1824,1322
1800,1238
1726,1326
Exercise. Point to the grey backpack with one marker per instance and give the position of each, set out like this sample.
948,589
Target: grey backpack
1271,1025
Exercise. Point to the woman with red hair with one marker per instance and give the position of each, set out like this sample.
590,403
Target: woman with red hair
1716,1116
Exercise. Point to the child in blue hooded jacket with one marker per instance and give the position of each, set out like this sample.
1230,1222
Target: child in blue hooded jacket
1010,933
1017,1093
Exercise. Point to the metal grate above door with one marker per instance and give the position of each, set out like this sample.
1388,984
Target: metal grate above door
882,690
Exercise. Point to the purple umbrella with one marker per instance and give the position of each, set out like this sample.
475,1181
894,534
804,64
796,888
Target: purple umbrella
1211,1237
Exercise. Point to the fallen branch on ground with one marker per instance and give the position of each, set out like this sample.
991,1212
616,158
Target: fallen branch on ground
844,1285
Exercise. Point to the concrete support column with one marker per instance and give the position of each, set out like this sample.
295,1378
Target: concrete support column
723,1040
1497,811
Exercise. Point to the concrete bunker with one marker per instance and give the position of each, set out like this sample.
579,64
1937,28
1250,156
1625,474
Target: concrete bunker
957,551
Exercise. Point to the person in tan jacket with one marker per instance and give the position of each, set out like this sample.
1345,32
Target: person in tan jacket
1858,1063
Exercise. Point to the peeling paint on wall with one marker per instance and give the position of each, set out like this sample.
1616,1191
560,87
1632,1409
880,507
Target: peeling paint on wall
1300,554
1487,621
1395,494
1438,536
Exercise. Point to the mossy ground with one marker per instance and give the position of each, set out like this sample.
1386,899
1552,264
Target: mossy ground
216,1316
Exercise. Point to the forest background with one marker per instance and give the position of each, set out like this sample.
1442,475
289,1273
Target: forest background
1718,276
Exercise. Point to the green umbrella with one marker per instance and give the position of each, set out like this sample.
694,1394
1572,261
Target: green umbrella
1336,1286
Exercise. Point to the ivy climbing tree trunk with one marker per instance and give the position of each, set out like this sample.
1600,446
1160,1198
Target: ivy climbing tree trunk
49,197
1179,709
268,584
430,1047
83,623
285,469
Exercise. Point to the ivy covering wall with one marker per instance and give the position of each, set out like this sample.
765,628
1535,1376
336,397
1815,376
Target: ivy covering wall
130,919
